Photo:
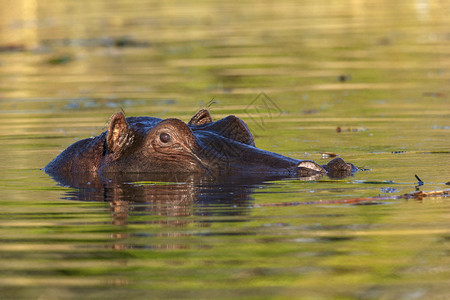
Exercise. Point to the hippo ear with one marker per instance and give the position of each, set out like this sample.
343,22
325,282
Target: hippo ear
233,128
201,117
118,133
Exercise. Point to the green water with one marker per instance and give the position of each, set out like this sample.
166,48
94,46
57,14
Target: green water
295,72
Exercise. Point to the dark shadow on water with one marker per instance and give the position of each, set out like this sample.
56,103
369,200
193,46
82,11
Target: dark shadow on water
175,195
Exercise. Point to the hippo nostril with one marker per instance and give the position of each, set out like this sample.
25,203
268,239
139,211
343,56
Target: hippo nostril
165,137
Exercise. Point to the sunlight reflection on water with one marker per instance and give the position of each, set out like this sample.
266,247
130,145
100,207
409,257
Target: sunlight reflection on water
376,70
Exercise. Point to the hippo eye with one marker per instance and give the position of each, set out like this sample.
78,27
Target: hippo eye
164,137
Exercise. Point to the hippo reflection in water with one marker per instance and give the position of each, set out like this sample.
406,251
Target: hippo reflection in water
147,145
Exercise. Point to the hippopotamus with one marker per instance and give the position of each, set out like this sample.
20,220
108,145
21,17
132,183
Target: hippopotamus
148,145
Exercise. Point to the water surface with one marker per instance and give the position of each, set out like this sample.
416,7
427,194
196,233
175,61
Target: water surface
295,72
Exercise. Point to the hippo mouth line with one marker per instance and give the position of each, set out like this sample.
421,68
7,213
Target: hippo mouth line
198,160
187,152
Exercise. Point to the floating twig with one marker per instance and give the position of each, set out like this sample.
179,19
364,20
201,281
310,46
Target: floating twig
418,195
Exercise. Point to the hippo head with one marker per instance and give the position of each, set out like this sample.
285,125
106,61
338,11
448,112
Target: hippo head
143,145
160,146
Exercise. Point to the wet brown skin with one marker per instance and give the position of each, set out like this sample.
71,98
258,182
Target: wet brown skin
151,145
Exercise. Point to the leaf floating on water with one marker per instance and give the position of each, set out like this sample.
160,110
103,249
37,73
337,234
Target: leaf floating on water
419,195
351,129
126,41
60,59
434,94
344,77
328,154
